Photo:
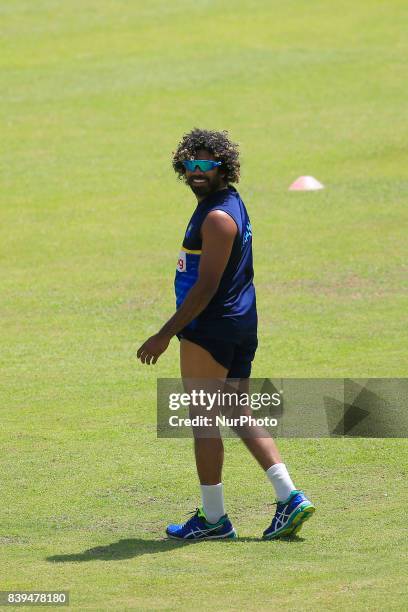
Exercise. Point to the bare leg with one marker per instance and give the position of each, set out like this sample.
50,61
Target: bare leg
264,450
257,439
196,362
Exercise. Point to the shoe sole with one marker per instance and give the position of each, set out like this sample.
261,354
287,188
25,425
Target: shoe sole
302,513
231,535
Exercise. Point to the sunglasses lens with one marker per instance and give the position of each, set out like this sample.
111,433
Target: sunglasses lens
203,164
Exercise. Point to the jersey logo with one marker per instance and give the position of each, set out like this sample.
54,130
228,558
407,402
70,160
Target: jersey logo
182,262
247,234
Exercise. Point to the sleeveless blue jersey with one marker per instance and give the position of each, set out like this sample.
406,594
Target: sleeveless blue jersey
233,307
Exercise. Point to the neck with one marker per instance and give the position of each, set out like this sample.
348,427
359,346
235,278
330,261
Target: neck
201,198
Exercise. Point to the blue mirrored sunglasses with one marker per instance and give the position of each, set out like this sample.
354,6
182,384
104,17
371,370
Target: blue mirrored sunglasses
203,164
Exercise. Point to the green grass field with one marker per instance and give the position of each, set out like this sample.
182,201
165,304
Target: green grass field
94,98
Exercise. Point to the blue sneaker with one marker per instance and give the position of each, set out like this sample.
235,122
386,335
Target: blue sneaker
290,516
197,528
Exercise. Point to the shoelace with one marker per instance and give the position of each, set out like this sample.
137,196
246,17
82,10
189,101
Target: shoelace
191,514
277,504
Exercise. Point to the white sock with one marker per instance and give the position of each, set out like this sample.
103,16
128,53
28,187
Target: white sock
281,481
213,501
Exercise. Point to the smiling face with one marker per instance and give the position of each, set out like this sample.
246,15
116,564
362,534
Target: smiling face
205,183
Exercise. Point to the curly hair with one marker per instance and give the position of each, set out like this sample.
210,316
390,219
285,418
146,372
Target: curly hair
217,143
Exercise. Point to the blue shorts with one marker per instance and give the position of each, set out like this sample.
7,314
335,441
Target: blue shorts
236,352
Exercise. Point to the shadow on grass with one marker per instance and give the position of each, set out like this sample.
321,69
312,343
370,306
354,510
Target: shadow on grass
126,549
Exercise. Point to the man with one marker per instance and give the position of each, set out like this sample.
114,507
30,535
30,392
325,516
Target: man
216,323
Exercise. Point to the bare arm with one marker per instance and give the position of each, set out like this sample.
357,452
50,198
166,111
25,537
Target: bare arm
218,234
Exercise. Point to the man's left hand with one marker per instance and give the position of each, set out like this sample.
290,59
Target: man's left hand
151,350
